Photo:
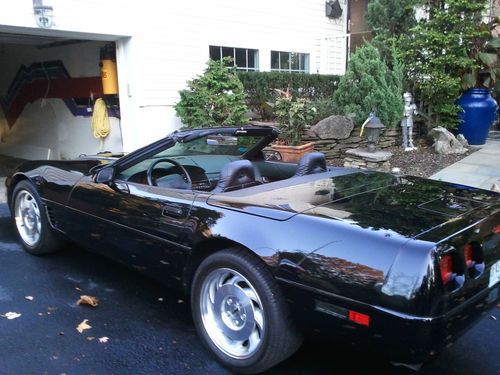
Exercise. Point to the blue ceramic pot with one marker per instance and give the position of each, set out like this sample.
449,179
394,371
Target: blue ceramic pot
479,109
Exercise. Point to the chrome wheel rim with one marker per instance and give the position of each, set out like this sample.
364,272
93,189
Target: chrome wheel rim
27,216
232,313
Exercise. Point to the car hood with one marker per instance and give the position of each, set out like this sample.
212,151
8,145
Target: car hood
408,206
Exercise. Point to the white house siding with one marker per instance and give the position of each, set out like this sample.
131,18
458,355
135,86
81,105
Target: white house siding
162,44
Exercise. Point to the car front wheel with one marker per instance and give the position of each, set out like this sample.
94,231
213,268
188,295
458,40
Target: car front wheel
240,313
30,221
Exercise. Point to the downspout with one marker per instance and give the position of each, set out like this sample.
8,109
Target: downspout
347,32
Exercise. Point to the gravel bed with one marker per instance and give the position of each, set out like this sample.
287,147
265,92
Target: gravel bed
423,162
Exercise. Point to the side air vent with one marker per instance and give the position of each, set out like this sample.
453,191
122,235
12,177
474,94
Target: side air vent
51,217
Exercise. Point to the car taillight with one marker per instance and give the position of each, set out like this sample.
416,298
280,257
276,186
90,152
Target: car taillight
468,255
496,229
446,267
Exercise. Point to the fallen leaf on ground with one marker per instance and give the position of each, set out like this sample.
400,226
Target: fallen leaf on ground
88,300
83,326
493,317
78,289
11,315
90,338
103,339
29,298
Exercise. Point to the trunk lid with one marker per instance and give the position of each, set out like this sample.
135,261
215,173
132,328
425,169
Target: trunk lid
408,206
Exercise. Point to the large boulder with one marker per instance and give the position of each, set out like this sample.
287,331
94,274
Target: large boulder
333,127
462,140
445,143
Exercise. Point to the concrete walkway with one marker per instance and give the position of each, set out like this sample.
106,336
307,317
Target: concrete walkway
481,169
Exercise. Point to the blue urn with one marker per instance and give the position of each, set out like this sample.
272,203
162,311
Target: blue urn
477,115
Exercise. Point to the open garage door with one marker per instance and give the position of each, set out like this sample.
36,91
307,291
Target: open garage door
49,92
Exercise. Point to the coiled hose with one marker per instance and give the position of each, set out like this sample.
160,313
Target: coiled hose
100,121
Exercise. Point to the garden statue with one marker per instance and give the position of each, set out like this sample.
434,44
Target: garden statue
407,122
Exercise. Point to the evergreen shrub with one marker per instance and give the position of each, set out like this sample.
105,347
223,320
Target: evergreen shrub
370,86
215,98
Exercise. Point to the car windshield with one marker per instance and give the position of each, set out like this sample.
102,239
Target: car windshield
213,144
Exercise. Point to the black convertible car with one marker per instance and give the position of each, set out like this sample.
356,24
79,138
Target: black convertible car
270,251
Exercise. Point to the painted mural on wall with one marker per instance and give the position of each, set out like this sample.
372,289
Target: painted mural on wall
50,79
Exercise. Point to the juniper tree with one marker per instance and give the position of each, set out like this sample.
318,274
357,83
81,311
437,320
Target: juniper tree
370,86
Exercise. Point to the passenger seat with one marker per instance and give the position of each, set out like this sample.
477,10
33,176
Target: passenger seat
313,162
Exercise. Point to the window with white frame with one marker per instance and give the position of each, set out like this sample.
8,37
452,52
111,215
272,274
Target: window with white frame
289,62
243,58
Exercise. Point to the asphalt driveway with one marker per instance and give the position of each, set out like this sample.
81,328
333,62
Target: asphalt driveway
149,328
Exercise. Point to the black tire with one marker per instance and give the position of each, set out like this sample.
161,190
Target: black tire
41,239
265,319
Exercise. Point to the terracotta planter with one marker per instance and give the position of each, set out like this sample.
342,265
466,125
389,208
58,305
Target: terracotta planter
292,154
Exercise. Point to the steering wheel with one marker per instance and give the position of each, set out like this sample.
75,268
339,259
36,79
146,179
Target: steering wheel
185,175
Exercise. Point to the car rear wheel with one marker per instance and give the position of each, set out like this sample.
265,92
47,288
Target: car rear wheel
240,313
30,221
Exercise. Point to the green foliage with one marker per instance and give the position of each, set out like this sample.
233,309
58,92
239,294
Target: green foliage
370,86
388,20
294,115
261,88
391,17
447,51
325,107
443,55
213,99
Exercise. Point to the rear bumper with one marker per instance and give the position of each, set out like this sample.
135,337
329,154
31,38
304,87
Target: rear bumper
398,337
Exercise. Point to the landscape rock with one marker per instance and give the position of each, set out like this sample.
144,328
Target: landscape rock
445,143
333,127
462,140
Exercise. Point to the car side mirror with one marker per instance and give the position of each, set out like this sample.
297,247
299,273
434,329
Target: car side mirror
105,175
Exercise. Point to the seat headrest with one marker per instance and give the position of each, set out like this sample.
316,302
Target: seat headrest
234,175
313,162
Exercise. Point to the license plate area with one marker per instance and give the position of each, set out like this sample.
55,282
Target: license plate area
494,274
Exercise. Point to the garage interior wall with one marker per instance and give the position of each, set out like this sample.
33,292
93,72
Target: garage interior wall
46,128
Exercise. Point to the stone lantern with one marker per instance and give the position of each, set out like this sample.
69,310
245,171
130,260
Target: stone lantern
369,157
373,128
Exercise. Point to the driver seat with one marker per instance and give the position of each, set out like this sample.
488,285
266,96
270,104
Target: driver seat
236,175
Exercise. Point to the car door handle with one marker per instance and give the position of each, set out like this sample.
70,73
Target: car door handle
172,210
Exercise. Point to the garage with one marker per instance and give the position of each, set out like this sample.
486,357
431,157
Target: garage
58,95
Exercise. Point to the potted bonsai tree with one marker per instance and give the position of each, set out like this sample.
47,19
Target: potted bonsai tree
294,116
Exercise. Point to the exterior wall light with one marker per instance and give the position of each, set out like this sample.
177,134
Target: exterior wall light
43,14
333,9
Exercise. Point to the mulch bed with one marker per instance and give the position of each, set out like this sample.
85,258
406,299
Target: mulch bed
423,162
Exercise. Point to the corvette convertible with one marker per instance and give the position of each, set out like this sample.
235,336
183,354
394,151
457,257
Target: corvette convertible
271,251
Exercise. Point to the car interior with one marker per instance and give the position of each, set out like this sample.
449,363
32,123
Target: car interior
210,165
